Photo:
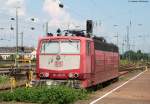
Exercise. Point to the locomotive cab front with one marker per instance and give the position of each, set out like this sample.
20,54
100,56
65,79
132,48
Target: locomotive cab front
61,59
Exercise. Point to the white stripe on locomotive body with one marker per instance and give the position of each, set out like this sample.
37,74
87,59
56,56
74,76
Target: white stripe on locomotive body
67,62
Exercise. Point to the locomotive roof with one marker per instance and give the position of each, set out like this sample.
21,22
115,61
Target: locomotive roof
65,37
101,44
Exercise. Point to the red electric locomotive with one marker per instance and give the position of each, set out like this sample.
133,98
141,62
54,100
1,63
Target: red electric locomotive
77,61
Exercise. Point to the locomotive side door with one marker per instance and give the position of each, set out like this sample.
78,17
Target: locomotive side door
90,56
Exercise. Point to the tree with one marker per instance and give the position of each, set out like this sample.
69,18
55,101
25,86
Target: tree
135,56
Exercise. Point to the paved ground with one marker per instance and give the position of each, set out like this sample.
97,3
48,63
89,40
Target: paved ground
136,91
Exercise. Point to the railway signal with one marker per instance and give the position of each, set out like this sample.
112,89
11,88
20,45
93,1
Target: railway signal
61,5
11,28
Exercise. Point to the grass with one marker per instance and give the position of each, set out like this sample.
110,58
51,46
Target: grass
124,62
3,79
45,95
123,79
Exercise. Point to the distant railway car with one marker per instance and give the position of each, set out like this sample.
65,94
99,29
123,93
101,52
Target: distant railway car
76,61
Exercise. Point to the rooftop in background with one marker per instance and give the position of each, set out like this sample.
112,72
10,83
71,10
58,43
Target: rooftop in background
13,49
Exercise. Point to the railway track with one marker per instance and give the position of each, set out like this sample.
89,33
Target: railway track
12,71
124,69
19,74
8,86
129,67
7,71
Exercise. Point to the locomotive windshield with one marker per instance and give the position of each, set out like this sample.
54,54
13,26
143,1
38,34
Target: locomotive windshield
60,47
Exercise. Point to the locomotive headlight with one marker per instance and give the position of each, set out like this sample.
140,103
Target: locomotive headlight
46,74
70,75
76,75
41,75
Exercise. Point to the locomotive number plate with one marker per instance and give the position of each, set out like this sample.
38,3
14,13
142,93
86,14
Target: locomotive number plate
58,63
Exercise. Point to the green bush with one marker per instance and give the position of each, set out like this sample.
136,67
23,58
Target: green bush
45,95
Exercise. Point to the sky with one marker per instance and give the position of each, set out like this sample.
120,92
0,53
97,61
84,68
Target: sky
111,18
